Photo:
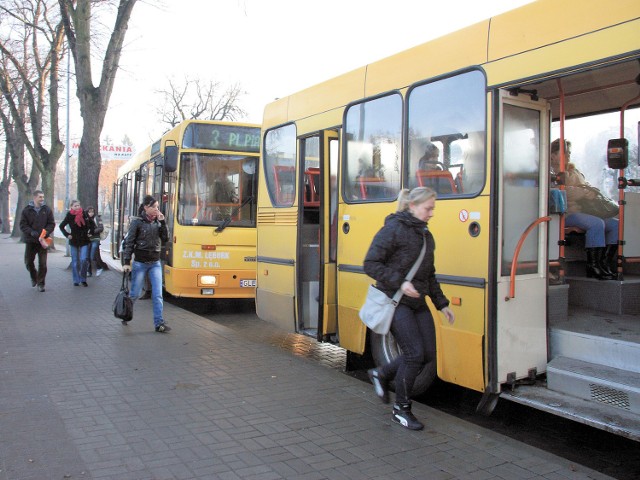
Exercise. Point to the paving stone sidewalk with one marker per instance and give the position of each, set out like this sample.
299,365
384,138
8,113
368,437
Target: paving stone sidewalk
83,397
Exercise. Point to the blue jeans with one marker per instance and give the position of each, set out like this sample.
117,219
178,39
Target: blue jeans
154,270
598,232
93,248
79,262
416,335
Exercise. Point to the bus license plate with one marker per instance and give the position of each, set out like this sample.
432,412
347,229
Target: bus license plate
247,283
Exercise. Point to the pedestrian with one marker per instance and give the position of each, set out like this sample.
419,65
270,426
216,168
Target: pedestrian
141,256
35,218
78,235
393,251
96,227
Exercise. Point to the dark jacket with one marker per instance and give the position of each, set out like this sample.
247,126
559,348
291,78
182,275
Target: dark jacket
144,240
32,222
79,234
96,227
394,250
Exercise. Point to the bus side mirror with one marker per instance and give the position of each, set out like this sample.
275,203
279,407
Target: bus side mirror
618,153
170,158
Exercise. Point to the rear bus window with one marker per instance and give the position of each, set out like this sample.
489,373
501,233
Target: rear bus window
280,165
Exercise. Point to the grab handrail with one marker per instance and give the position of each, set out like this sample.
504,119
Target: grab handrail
516,254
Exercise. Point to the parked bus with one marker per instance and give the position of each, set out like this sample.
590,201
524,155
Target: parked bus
204,175
530,326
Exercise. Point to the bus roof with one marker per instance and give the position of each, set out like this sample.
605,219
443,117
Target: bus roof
509,47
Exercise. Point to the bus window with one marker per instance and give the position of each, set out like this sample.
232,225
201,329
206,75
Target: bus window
215,189
373,132
279,165
446,135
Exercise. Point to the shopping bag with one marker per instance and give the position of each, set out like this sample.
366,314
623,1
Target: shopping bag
377,311
123,305
44,240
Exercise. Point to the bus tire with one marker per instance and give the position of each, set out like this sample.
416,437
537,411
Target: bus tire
384,349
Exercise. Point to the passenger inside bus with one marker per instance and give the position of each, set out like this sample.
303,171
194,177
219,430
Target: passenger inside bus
224,192
430,159
601,234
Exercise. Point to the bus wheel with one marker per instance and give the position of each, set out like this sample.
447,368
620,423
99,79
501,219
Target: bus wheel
384,349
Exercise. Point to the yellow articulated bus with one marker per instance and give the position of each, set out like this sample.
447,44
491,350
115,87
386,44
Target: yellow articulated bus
472,115
204,174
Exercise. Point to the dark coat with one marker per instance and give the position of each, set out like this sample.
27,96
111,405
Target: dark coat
79,234
32,222
96,227
394,250
144,240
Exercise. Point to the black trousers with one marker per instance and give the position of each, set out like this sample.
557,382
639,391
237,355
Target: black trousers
415,333
30,252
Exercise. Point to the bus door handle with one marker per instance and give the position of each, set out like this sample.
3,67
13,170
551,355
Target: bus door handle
516,254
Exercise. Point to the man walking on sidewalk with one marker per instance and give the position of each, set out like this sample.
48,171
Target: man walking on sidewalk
35,218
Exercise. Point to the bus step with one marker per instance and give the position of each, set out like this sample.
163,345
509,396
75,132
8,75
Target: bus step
604,417
597,383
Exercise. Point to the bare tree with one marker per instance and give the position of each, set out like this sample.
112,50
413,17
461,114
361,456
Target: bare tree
31,54
94,100
200,99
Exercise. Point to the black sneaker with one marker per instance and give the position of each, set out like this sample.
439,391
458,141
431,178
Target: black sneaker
403,416
41,287
380,384
76,284
163,328
33,283
85,284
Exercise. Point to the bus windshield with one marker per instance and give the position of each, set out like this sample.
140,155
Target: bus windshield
217,188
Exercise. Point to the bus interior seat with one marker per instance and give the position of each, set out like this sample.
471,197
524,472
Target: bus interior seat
439,180
312,186
370,187
284,177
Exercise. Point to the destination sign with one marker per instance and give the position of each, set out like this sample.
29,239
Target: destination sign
222,137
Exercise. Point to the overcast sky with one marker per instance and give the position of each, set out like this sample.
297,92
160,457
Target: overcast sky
271,47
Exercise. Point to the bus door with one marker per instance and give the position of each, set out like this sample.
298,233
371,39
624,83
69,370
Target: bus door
329,315
521,333
309,233
315,268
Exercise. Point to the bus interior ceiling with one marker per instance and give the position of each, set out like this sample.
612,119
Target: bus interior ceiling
590,91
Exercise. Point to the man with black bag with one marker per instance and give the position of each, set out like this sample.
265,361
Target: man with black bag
141,251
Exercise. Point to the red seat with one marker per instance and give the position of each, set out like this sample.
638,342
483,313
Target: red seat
284,179
439,180
312,187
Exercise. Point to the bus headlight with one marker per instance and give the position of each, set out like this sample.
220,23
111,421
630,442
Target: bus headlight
208,280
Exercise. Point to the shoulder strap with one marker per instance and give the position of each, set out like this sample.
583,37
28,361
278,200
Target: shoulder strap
414,269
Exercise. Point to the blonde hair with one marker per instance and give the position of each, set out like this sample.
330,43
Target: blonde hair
416,196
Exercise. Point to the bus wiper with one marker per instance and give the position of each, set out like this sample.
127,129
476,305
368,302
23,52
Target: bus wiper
225,223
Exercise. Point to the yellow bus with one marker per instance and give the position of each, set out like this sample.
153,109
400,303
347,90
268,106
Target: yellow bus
204,174
488,100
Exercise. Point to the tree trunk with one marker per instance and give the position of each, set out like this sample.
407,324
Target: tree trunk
89,163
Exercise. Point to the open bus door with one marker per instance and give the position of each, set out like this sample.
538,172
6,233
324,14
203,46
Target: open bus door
521,316
330,151
316,266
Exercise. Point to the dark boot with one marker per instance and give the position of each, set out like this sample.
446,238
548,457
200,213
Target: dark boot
610,260
402,415
594,257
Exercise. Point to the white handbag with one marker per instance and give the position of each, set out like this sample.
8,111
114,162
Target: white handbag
378,309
